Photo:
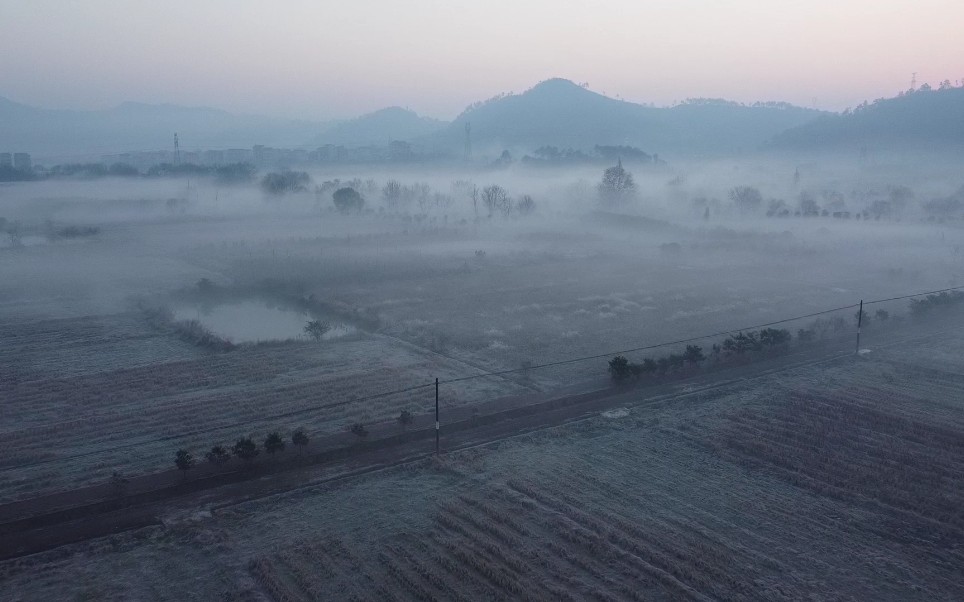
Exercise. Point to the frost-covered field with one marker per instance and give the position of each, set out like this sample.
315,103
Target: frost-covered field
435,295
842,480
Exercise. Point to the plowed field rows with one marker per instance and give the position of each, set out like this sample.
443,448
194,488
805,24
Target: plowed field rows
52,413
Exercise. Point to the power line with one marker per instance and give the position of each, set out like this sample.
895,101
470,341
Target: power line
647,347
943,290
696,338
338,404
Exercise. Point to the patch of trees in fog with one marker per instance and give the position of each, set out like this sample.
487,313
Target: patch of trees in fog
551,156
890,202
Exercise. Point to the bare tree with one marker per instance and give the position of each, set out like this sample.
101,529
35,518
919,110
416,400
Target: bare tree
746,198
317,329
467,189
525,205
422,193
494,198
392,193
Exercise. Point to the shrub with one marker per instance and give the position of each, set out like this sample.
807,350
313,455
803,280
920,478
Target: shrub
284,182
183,460
246,449
274,443
619,368
771,337
525,205
299,438
218,455
694,354
348,200
924,306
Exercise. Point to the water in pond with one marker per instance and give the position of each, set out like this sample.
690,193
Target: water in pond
252,321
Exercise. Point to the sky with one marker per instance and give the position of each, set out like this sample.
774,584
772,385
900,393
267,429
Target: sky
326,59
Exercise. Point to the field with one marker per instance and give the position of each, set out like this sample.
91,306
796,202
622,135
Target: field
840,480
91,386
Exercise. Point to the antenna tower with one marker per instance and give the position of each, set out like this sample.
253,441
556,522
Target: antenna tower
177,151
913,80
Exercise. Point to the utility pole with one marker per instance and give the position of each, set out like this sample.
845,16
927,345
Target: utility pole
436,416
860,317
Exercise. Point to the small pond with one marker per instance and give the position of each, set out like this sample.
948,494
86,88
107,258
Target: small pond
251,321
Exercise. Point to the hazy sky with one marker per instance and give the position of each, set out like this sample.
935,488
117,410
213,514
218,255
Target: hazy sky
336,58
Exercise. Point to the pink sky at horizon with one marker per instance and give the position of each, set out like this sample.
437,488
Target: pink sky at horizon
321,60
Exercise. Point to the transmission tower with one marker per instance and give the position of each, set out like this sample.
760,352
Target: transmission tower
177,151
468,141
913,80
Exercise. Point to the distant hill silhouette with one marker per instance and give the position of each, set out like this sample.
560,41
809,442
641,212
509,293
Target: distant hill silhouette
559,113
137,126
554,113
379,128
920,119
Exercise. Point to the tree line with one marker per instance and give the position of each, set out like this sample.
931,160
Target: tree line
247,449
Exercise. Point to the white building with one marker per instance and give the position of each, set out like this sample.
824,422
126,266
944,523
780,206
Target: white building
22,162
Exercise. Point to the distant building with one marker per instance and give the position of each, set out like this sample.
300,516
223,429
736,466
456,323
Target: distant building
6,160
22,162
237,155
258,150
213,157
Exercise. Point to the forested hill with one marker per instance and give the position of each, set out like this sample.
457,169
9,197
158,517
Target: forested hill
924,118
560,113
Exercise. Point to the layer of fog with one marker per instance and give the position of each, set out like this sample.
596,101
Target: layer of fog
155,236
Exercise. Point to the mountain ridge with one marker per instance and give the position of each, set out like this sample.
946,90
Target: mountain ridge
554,112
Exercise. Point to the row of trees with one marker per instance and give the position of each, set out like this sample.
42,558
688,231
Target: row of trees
616,188
620,368
245,449
888,203
492,200
349,196
769,339
938,301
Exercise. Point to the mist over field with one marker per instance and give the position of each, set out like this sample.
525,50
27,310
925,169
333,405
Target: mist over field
285,327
